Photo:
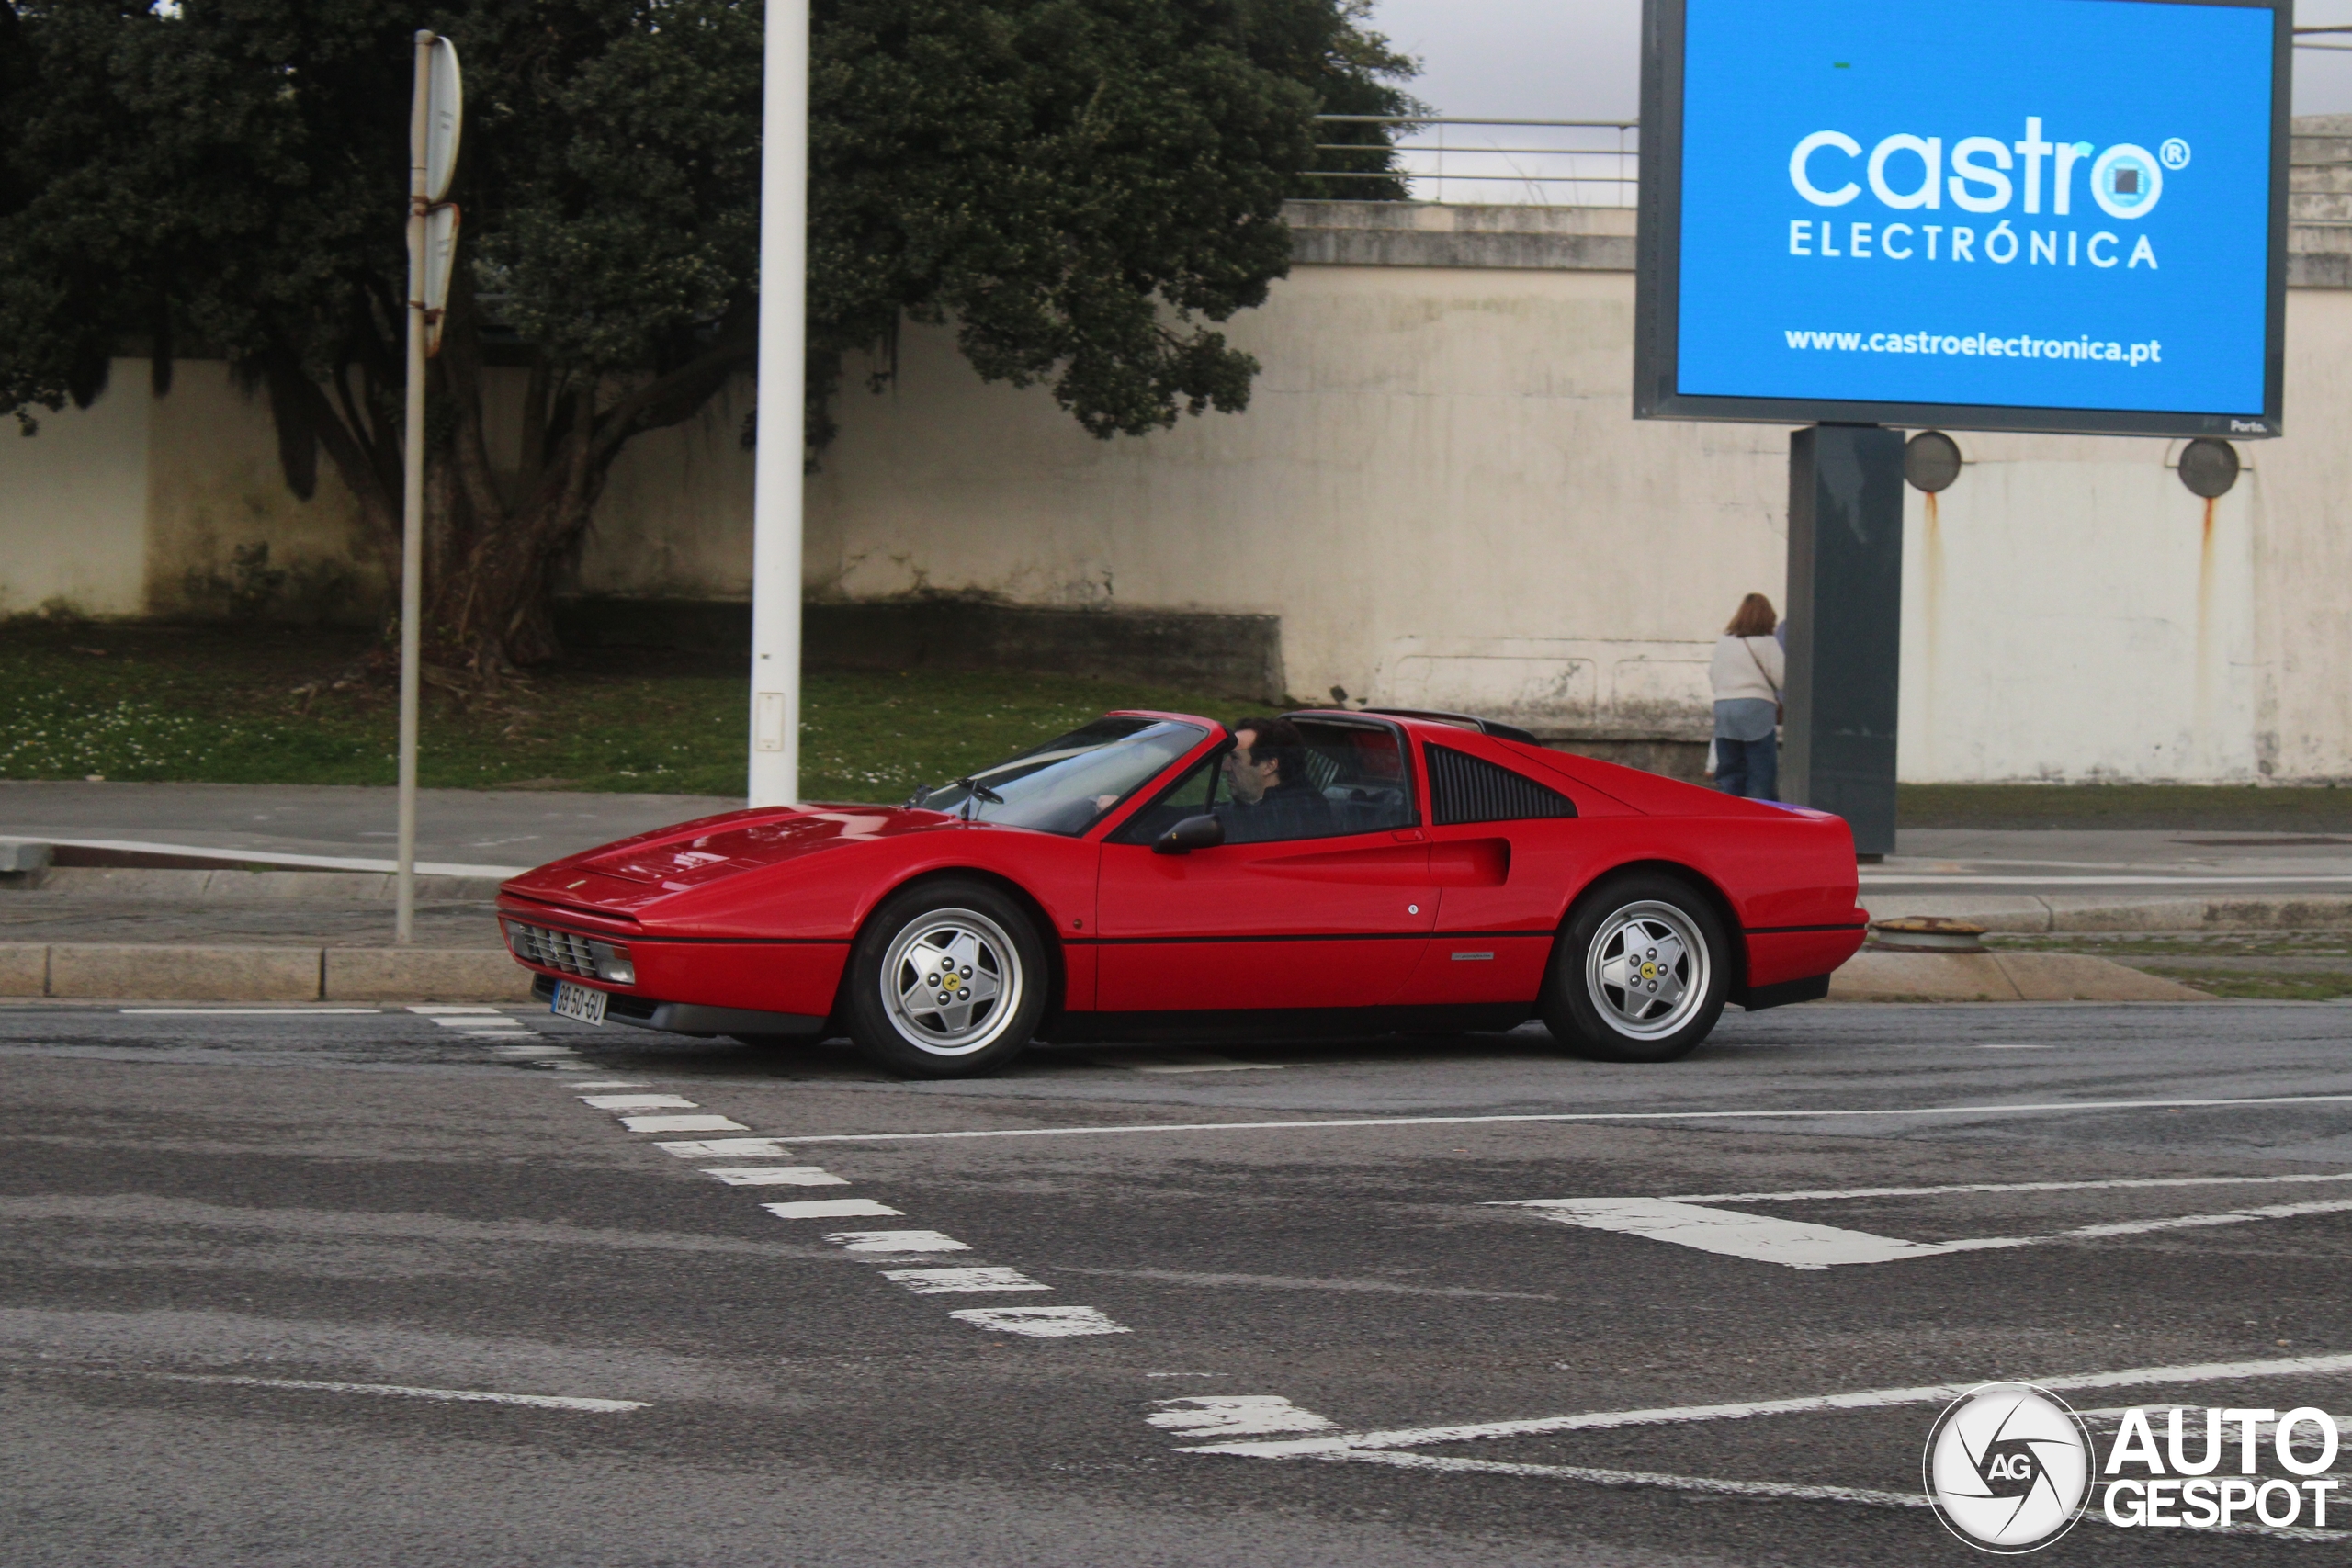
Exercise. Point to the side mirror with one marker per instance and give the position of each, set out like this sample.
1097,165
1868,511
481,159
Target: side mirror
1192,833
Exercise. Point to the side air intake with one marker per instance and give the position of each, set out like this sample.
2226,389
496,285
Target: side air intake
1464,789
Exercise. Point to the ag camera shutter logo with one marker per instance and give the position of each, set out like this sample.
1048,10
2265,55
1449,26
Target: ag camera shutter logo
2008,1467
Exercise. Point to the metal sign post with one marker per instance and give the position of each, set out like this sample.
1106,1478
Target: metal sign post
435,110
774,772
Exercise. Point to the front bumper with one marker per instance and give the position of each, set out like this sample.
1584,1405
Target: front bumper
689,1018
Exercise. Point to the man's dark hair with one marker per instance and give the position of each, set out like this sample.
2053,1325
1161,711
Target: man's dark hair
1279,739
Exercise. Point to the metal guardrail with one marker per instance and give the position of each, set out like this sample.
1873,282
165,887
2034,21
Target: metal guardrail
1557,164
1553,163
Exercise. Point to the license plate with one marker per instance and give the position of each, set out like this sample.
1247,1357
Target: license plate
578,1001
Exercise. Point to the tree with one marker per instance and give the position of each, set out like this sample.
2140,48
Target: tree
1078,184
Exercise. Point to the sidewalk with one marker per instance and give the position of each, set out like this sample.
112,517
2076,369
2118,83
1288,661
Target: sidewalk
321,928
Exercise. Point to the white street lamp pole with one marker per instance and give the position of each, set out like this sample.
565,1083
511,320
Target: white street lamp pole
412,494
776,473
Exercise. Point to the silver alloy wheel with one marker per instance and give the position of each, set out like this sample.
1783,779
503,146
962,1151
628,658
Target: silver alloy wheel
952,982
1646,970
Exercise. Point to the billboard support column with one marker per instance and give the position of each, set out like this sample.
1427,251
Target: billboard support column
1845,623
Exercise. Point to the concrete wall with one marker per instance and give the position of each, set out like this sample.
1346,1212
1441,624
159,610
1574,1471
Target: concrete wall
73,506
1439,491
138,505
1436,487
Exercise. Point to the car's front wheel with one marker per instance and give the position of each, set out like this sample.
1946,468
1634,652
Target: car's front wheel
1641,972
947,980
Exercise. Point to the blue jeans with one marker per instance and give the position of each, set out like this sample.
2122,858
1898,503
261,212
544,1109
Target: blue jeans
1750,768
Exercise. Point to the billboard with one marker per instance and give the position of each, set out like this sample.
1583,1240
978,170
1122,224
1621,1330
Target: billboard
1981,214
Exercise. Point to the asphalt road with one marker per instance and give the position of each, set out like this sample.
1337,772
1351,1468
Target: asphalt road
251,1258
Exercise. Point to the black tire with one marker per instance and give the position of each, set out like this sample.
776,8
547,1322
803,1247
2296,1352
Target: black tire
1658,1014
909,1009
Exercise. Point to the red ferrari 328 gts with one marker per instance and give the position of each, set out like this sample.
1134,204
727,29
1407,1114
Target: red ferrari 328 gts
1411,871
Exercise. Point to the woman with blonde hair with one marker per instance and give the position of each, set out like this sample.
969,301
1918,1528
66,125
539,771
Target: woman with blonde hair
1748,674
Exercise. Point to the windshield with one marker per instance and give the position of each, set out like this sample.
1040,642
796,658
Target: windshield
1065,785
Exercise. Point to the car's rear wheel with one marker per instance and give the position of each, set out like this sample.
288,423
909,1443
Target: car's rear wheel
1641,972
947,980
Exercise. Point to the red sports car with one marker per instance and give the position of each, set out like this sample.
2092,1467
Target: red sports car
1153,875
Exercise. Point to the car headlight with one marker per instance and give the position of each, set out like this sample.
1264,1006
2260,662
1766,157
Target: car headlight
613,963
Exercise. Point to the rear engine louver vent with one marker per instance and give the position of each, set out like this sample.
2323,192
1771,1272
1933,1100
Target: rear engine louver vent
1464,789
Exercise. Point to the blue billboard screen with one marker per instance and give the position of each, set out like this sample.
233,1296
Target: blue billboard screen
1978,204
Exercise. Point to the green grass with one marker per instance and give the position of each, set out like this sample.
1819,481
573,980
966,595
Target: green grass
264,705
2284,965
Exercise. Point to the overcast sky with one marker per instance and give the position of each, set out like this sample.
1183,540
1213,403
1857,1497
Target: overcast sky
1581,58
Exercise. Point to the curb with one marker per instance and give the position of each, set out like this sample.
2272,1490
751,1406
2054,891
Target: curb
188,974
2041,913
1999,977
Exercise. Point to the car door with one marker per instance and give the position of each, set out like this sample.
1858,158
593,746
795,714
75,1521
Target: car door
1501,845
1334,918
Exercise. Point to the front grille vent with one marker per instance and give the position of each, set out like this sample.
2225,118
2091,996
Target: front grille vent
1464,789
556,950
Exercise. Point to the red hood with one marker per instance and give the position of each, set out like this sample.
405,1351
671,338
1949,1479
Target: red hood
650,866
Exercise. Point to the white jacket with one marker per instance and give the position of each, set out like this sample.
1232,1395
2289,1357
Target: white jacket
1735,674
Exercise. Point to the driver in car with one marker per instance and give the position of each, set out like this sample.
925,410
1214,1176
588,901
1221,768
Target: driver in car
1272,797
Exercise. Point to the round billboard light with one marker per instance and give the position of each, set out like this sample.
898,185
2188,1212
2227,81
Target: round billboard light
2209,467
1931,461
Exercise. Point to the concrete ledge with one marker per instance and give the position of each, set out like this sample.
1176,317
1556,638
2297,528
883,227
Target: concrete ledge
227,885
425,975
1998,977
2095,912
24,970
156,972
164,973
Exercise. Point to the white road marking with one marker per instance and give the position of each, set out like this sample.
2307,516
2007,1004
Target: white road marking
778,1175
1042,1323
442,1010
611,1083
1865,1399
638,1102
720,1148
1335,1122
1761,1239
682,1124
1796,1244
1235,1416
479,1021
897,1241
1828,1193
246,1012
940,1281
832,1209
497,1035
460,1395
1778,1490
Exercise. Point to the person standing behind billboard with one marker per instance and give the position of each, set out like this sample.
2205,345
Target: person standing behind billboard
1746,676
